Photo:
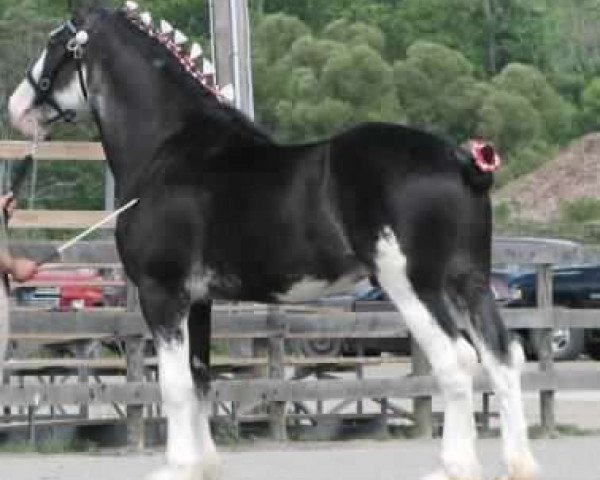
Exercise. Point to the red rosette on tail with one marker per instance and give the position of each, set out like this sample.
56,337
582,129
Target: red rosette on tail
484,156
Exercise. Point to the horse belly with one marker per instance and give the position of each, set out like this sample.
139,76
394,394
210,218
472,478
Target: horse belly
310,288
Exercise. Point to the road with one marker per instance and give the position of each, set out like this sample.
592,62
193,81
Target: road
574,458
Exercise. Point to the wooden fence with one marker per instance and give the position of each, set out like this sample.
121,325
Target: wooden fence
275,325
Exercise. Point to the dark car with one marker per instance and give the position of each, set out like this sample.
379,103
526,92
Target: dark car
369,298
573,287
500,285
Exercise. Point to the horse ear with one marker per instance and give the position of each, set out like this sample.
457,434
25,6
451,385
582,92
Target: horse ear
81,8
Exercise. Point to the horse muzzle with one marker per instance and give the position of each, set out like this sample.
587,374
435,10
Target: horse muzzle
26,117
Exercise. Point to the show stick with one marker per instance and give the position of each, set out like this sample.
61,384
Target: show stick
58,251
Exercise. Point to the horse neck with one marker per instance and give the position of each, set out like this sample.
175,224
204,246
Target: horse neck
139,108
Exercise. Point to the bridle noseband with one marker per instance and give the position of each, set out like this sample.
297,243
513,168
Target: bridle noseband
74,50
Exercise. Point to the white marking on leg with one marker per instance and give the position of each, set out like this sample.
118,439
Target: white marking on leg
310,288
506,380
452,362
198,282
190,447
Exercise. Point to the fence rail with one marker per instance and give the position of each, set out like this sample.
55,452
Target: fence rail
279,325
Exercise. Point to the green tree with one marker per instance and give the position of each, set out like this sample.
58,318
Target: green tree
275,34
300,120
438,91
358,75
530,83
590,104
344,31
509,120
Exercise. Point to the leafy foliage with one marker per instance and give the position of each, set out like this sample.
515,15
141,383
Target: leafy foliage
522,73
580,211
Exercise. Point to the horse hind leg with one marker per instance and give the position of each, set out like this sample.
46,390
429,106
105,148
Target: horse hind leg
503,359
453,360
190,450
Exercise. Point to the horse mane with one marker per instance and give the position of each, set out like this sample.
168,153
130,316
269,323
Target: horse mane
190,79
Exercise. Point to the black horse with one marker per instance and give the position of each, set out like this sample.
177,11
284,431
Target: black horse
227,213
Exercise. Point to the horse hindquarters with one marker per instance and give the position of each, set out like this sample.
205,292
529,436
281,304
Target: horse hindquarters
413,279
183,367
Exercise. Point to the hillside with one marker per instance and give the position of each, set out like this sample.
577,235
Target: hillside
573,174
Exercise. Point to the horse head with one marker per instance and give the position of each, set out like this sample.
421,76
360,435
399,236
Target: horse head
67,76
55,87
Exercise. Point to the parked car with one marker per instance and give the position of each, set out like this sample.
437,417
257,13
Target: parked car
68,289
369,298
573,287
500,285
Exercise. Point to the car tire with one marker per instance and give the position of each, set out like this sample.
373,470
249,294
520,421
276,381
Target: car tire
319,347
567,343
592,343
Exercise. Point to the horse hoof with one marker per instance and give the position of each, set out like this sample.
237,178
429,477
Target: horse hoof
208,470
437,475
187,472
441,475
522,467
211,466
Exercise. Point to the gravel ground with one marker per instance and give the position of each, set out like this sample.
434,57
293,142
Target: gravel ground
574,458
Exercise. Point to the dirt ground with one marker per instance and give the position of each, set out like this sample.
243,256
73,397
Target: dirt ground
574,458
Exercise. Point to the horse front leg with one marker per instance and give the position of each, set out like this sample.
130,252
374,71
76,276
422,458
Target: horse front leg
182,367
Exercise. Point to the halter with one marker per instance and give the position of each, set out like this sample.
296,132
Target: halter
43,88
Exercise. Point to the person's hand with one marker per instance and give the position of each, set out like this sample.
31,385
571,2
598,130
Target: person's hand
23,269
8,204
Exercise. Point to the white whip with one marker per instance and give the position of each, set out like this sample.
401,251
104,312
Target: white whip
89,230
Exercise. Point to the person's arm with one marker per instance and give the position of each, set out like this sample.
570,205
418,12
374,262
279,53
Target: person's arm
20,269
8,203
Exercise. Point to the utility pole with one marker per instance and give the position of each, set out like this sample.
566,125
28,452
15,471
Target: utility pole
490,54
231,35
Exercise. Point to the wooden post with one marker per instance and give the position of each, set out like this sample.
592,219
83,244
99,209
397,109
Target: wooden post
485,412
422,406
276,370
135,373
545,305
31,409
382,429
6,408
83,374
